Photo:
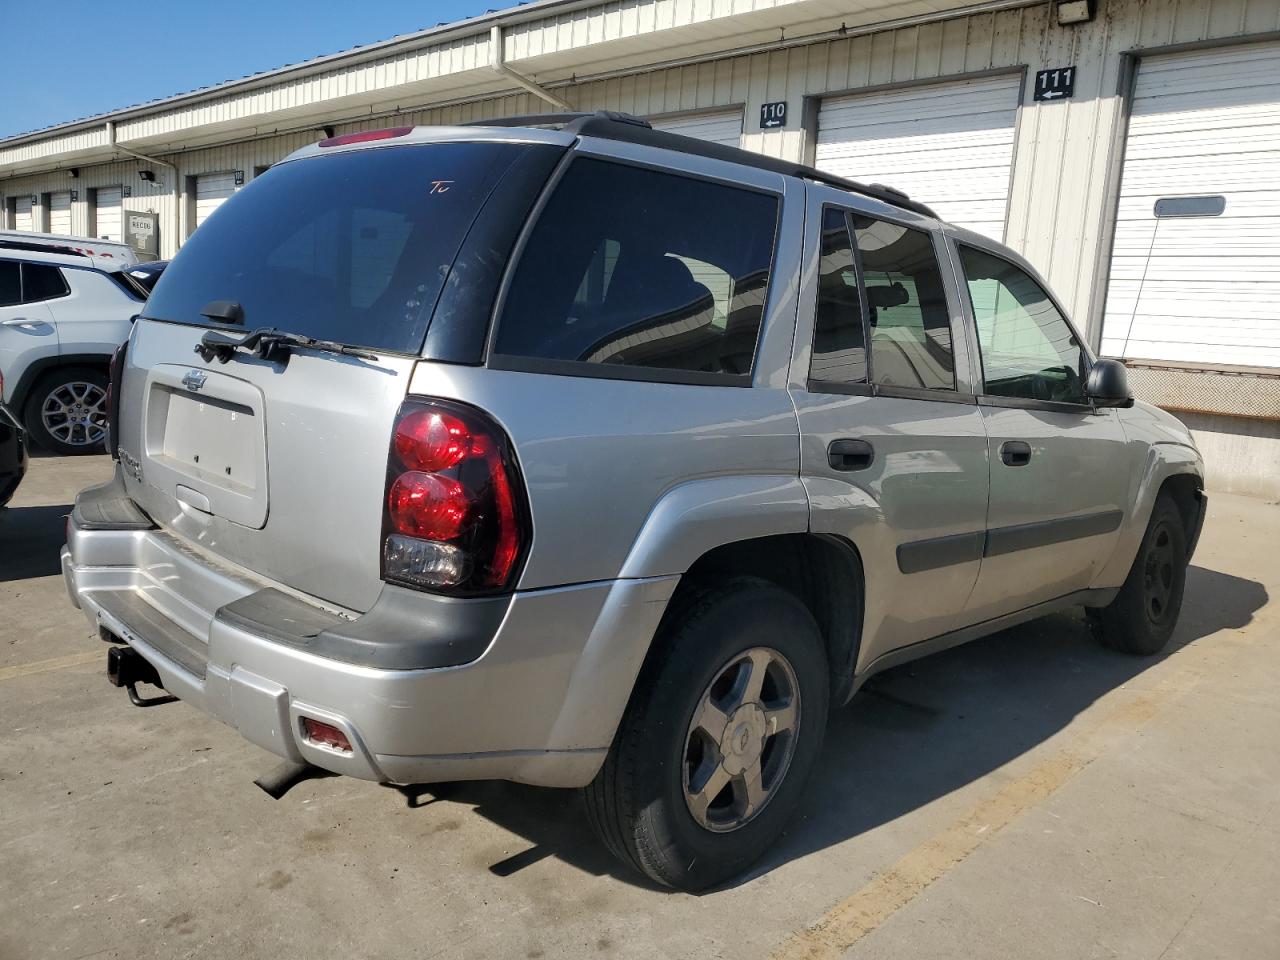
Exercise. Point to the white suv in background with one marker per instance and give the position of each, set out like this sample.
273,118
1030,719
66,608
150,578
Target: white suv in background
65,305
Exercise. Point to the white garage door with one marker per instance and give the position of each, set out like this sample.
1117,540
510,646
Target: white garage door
723,127
22,214
949,145
106,211
1195,269
211,190
60,213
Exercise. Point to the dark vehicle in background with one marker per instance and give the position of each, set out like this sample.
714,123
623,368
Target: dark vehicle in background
146,274
13,456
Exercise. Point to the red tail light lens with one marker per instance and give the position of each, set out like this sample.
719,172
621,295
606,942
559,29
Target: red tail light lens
455,518
365,136
115,371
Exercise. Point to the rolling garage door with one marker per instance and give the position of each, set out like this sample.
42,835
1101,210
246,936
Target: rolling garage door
1195,266
22,214
211,190
106,212
949,145
60,213
723,127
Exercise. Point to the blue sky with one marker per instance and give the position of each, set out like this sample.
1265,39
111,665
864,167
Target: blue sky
165,48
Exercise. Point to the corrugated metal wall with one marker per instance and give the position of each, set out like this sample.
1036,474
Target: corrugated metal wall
1062,152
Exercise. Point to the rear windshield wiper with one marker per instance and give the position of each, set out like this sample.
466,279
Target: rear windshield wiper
270,344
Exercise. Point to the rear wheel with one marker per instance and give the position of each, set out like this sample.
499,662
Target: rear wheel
1142,617
722,732
66,411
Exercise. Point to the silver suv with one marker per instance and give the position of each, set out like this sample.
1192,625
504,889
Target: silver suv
570,452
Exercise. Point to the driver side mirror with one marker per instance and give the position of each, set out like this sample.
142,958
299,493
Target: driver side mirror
1108,384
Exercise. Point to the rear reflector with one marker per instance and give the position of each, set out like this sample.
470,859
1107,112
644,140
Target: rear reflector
325,735
365,136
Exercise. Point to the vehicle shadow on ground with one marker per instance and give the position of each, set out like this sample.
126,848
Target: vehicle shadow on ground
911,735
31,539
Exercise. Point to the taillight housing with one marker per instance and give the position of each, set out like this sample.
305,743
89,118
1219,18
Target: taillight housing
455,518
115,372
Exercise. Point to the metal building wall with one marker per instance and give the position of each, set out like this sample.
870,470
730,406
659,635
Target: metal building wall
1057,213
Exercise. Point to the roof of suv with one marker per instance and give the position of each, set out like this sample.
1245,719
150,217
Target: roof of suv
610,125
64,251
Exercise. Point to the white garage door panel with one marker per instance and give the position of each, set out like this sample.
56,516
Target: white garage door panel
723,127
1200,290
60,213
211,190
949,145
22,214
107,222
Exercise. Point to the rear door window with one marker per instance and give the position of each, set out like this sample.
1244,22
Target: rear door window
839,341
42,282
906,306
634,268
353,247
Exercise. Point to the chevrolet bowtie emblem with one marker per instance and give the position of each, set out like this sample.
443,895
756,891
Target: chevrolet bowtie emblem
194,380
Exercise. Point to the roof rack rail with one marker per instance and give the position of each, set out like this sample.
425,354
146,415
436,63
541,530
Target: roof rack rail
612,125
37,247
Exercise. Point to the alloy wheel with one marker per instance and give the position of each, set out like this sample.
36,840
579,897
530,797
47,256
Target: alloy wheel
1157,574
74,413
741,739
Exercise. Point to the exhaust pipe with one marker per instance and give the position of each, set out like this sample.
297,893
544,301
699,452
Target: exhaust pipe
287,775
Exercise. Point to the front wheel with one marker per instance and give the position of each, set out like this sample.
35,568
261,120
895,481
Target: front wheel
66,411
721,734
1141,618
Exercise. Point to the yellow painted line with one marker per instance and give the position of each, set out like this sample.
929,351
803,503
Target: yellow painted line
57,663
858,915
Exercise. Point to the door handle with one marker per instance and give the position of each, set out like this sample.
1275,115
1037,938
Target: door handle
848,455
18,322
1015,453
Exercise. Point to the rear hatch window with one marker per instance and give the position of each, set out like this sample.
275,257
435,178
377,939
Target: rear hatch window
353,247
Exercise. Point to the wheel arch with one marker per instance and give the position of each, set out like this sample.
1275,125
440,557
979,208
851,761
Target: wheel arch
824,572
38,369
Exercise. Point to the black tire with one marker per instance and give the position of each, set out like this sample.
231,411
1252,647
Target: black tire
81,436
1142,617
637,804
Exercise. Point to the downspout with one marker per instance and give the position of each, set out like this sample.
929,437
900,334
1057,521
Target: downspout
177,193
498,62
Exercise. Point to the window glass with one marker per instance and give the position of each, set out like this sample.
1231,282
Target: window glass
41,282
839,350
1028,350
10,284
639,268
907,306
350,246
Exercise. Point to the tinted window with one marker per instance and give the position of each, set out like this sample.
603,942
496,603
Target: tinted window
10,284
353,247
1028,350
839,348
42,282
642,269
906,306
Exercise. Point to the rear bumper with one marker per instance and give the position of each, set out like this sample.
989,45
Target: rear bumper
539,705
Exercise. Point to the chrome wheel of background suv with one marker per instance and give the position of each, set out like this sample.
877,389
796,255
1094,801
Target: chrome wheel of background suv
67,411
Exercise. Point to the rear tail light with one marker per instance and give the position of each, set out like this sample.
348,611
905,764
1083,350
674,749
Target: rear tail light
115,372
365,136
454,514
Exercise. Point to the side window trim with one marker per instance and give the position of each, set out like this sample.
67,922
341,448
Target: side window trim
971,323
